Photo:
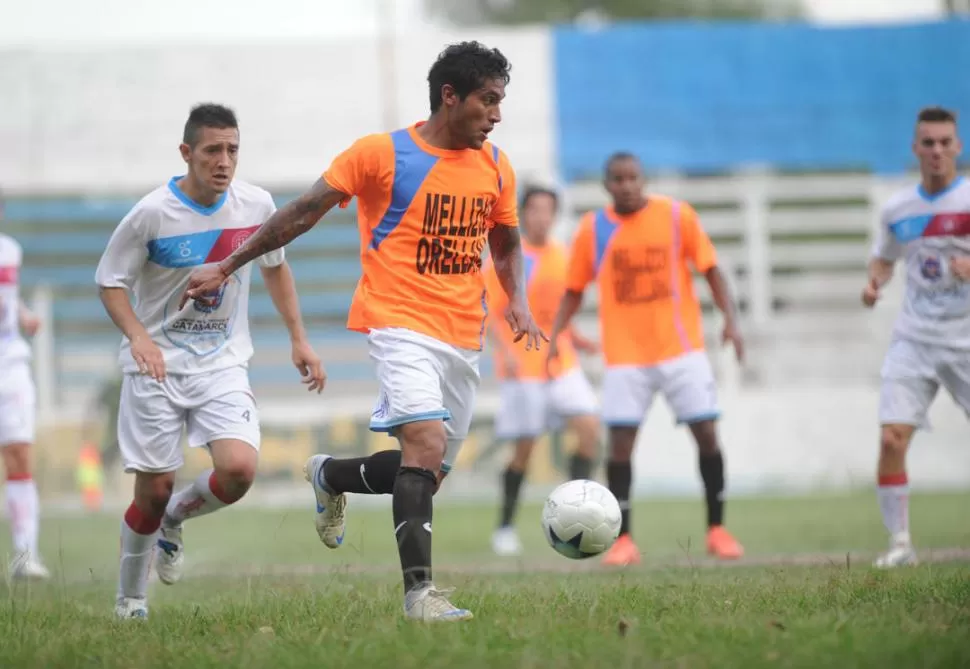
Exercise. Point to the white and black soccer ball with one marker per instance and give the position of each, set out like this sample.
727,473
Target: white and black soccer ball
581,519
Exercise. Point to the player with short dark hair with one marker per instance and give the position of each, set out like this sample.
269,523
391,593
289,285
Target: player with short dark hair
640,251
186,367
532,398
927,225
18,400
207,115
429,197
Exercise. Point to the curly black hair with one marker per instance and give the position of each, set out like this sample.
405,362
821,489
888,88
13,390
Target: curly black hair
207,115
465,66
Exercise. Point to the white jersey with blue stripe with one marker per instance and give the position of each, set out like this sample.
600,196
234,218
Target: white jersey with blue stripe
153,251
13,347
926,231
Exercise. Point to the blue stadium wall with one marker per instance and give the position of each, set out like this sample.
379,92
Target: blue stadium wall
702,98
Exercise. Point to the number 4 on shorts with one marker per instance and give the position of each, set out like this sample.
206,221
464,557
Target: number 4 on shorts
246,415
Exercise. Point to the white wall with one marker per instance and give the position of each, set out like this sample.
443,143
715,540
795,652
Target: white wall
797,439
872,11
110,119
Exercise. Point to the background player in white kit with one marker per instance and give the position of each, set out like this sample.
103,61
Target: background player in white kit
17,401
928,225
187,368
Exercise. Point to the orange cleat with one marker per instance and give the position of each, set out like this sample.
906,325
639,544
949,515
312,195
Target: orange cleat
623,552
722,545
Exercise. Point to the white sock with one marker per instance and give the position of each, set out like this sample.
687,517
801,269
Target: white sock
137,549
23,510
196,499
894,505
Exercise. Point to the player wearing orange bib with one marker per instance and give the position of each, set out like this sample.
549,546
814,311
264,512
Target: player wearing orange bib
429,197
640,251
532,400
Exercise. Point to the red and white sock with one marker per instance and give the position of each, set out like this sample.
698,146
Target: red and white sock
137,545
894,505
23,510
201,497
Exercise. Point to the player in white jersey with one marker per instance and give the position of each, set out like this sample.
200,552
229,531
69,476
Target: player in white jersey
17,414
187,367
928,227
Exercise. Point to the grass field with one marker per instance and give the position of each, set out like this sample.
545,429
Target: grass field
261,591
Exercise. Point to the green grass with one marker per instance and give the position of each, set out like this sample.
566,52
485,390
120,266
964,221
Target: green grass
261,591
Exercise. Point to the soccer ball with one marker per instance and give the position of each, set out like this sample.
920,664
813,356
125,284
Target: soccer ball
581,519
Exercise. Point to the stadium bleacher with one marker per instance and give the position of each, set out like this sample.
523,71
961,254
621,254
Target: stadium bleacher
817,236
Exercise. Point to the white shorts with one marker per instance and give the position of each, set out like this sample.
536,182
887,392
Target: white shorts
912,374
530,407
17,404
211,406
422,378
687,383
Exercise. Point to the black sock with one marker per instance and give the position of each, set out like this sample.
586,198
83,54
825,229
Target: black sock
373,475
511,484
580,467
412,505
712,473
618,478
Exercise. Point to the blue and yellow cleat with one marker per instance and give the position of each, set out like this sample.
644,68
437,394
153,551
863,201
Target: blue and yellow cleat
330,506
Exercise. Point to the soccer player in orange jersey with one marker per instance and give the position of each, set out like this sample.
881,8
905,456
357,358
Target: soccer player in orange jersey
531,399
429,197
640,251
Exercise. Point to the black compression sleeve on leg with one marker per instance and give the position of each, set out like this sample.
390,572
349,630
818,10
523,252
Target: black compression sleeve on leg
372,475
412,507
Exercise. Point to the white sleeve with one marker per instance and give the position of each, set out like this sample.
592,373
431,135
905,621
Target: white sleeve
124,256
886,246
273,258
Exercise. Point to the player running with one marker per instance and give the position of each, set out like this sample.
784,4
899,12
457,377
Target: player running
429,198
530,400
640,251
17,403
929,226
187,367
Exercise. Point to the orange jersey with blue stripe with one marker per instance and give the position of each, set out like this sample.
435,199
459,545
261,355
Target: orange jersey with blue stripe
424,215
545,276
642,263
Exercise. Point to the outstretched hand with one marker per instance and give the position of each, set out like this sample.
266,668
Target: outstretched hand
520,320
203,282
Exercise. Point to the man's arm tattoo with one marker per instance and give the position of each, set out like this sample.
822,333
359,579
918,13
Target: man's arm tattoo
288,223
506,247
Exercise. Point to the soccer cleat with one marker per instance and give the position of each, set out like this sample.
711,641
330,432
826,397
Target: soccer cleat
722,545
623,552
429,604
505,542
129,608
26,567
899,555
170,554
330,507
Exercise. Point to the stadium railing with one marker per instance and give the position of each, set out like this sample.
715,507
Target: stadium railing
796,248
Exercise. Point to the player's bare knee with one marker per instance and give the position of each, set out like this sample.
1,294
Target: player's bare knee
894,441
622,440
423,444
587,429
705,435
16,460
522,454
235,463
152,492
